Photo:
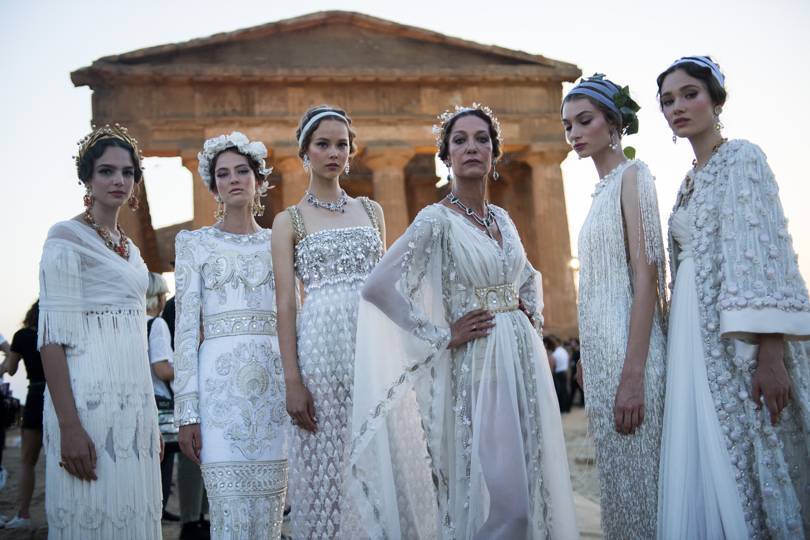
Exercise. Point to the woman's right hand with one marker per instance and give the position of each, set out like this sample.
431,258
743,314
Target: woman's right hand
78,452
472,325
190,439
301,406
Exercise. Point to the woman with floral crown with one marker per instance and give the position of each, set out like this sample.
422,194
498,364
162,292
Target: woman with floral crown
457,431
622,307
735,453
229,390
101,437
330,242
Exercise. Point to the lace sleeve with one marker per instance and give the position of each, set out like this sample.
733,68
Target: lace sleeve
400,285
762,290
187,331
531,293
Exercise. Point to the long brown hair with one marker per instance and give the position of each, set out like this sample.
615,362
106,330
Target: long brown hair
31,319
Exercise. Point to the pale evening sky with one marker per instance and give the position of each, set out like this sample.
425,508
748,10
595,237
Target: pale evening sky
762,48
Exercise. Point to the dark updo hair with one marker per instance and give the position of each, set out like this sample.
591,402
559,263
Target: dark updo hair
716,90
613,118
447,128
31,319
254,166
88,160
302,148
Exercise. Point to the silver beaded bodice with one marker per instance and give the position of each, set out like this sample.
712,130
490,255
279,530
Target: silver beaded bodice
335,256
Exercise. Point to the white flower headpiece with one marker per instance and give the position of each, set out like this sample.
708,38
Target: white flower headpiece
238,140
448,115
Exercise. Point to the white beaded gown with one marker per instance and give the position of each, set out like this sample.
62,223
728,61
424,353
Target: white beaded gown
628,464
93,302
231,382
464,443
333,265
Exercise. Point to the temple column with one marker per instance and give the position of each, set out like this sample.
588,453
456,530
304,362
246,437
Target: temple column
387,163
204,203
551,252
294,178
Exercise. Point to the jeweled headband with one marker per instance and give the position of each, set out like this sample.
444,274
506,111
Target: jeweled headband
703,61
116,131
600,89
308,126
448,115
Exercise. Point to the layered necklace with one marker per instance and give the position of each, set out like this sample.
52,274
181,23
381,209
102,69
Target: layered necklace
689,182
121,247
486,221
332,206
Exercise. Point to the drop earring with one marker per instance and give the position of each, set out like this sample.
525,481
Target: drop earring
613,143
88,196
346,169
219,214
307,164
674,139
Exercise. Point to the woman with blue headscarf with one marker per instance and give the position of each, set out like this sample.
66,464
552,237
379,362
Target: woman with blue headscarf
622,308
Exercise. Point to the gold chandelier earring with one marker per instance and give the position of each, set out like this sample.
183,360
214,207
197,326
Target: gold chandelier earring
718,125
88,196
219,214
257,207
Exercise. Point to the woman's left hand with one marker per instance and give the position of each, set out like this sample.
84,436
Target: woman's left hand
771,380
524,309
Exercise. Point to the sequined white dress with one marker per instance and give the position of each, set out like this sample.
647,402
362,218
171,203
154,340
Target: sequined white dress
628,464
464,443
232,383
333,265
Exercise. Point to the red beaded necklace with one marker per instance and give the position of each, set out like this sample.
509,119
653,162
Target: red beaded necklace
121,247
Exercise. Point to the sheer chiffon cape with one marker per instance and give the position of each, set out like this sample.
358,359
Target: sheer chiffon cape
418,459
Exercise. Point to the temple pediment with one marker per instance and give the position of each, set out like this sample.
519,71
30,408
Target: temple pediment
330,45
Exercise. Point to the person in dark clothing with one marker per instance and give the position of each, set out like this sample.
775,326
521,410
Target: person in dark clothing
24,347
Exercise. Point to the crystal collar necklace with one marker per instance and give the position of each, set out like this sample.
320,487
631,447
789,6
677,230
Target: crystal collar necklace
332,206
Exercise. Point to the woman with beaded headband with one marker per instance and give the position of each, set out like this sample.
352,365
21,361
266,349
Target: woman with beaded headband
229,389
330,242
457,432
622,307
735,454
101,437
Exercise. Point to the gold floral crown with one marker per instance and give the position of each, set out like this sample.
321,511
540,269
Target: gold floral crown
447,116
116,131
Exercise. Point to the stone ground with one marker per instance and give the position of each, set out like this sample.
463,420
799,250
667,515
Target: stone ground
580,460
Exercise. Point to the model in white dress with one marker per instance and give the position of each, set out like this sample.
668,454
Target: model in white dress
332,264
628,464
726,472
229,378
462,443
93,303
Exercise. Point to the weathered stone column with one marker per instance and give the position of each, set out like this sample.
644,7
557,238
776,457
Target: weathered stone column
294,179
552,242
387,163
204,204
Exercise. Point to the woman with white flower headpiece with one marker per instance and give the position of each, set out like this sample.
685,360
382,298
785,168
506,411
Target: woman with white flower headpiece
735,450
330,242
229,389
622,307
457,431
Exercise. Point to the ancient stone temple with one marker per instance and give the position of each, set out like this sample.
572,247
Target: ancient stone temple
391,78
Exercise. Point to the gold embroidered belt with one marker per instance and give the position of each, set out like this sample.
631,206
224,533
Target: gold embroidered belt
498,298
240,323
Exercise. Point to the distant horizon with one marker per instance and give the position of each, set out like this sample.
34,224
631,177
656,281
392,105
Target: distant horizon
630,42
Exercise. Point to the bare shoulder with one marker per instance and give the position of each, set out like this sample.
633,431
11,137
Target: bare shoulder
282,225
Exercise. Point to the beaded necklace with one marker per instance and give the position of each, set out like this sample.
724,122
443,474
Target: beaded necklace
486,222
121,248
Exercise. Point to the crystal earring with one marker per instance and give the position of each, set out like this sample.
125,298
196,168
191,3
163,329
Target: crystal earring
495,174
613,144
346,169
88,196
219,214
674,139
257,207
718,125
307,163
